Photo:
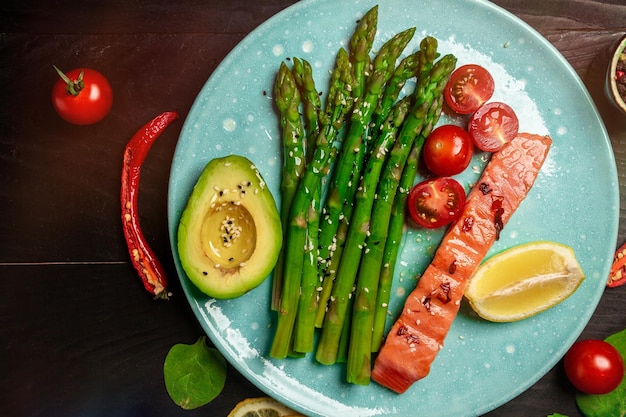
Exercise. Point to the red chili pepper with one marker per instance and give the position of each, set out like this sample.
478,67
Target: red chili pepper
143,258
617,276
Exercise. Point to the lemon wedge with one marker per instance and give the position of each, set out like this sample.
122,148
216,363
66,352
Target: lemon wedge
523,281
262,407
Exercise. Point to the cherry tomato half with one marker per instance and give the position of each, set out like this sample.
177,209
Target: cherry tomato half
468,88
448,150
82,96
493,125
594,366
436,202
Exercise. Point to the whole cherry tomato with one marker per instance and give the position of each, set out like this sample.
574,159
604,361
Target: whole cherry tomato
82,96
436,202
594,366
468,88
493,125
448,150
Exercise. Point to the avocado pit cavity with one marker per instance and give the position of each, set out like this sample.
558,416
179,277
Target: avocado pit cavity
228,235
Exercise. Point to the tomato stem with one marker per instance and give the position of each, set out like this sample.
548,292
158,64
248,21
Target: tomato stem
73,87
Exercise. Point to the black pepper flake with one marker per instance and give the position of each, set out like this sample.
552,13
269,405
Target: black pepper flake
444,294
452,268
498,211
427,303
484,188
468,223
205,273
411,338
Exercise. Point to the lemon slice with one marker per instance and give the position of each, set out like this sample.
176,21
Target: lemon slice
523,281
262,407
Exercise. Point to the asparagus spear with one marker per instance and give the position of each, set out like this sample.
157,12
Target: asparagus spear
339,102
304,329
307,305
327,266
311,102
413,65
426,112
360,46
351,157
392,244
287,99
428,50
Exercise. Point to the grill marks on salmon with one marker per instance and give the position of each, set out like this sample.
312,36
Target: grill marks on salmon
419,332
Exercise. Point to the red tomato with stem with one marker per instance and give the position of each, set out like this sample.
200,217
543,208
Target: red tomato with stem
448,150
436,202
82,96
468,88
493,125
594,366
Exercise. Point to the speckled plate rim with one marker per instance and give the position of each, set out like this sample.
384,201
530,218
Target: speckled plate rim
220,323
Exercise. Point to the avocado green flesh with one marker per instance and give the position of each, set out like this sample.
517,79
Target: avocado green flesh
229,234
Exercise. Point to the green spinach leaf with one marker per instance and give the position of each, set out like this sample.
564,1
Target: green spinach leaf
194,374
613,403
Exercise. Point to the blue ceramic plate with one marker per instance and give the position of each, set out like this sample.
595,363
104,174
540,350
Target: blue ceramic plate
482,365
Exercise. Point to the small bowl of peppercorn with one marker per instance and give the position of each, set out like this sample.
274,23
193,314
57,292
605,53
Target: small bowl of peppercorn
616,75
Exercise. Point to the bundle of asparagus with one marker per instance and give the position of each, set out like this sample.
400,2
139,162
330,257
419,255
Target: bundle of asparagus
359,150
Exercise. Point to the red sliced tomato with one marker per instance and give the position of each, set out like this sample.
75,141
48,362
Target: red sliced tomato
448,150
436,202
468,88
493,125
594,366
82,96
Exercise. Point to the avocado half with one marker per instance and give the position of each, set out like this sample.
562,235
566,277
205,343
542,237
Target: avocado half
230,232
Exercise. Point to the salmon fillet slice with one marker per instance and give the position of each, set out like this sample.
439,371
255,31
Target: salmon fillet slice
419,332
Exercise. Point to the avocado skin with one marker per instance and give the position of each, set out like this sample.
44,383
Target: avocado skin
223,260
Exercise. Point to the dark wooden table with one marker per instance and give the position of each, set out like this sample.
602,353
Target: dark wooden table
78,335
